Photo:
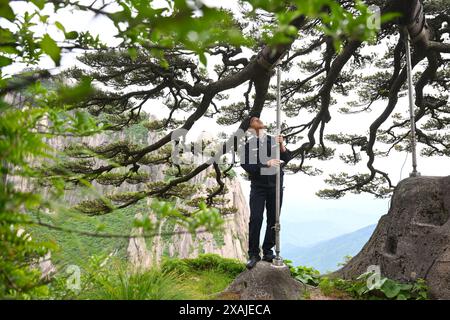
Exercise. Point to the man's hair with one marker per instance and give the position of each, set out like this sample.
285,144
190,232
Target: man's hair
250,120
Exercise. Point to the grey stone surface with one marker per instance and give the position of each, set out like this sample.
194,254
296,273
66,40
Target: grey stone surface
413,239
264,282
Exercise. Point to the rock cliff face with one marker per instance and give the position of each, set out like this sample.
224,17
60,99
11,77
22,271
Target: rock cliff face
232,243
413,240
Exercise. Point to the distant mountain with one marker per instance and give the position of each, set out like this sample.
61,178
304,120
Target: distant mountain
325,256
308,233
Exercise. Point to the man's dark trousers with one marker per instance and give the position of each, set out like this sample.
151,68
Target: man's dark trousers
260,197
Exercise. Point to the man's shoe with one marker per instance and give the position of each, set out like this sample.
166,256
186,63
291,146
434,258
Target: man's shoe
252,261
268,257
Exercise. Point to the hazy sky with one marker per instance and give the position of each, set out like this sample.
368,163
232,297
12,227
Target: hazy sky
300,203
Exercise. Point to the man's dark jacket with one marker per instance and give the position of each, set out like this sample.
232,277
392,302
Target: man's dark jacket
254,170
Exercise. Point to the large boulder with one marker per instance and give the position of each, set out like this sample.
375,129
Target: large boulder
413,239
264,282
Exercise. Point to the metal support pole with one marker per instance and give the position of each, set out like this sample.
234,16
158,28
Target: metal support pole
278,261
414,173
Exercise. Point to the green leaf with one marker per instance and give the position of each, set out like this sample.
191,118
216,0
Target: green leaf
406,286
6,11
163,62
39,3
60,26
43,18
74,94
72,35
389,16
9,49
4,61
390,289
202,58
133,53
49,46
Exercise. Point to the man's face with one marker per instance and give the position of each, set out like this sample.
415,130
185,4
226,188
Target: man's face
256,123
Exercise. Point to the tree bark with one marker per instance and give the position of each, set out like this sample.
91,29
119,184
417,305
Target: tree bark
413,19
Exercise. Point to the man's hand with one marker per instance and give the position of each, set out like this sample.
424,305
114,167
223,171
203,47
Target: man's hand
280,139
273,163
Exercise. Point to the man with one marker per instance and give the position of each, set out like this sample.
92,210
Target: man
260,164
